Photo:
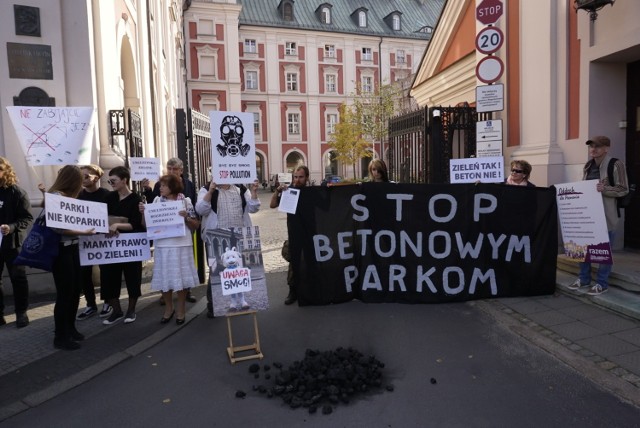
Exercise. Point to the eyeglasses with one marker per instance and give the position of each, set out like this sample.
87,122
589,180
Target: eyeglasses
517,171
112,181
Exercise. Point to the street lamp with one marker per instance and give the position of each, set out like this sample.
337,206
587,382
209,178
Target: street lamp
592,6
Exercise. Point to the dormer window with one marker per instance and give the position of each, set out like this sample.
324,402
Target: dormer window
396,23
394,20
323,13
362,19
326,15
285,9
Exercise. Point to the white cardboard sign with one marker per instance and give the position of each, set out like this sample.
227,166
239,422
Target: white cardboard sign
74,214
233,148
470,170
142,168
54,135
102,250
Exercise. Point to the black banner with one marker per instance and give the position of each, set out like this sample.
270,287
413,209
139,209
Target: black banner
417,243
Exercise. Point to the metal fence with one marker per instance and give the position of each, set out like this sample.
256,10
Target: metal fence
422,142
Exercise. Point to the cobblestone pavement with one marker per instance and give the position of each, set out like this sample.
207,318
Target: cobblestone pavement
602,344
19,347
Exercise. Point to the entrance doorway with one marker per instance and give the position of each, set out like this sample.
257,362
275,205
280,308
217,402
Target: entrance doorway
631,225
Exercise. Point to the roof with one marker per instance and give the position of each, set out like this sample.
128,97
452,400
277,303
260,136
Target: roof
415,14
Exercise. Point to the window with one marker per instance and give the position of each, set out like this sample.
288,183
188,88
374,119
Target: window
400,58
367,84
290,48
362,18
330,83
293,123
256,123
332,119
292,82
326,15
329,51
396,23
251,80
366,54
250,46
206,27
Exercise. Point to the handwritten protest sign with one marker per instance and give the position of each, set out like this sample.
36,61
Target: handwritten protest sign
236,280
233,150
101,249
284,177
74,214
470,170
163,219
142,168
54,135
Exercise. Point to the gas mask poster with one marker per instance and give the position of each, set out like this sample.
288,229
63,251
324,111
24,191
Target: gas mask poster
233,148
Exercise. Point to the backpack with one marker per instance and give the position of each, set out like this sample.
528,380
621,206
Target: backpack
622,201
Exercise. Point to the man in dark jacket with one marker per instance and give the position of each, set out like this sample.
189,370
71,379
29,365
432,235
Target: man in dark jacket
15,218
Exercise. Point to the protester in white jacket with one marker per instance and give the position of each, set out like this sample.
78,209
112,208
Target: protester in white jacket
225,206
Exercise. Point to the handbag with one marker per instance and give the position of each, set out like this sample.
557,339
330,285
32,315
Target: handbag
40,248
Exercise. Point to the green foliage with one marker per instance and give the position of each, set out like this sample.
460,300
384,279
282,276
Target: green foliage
347,139
373,110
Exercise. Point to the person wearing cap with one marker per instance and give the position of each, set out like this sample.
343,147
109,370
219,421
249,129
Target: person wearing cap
596,169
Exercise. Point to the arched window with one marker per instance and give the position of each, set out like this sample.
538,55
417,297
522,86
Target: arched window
362,18
396,23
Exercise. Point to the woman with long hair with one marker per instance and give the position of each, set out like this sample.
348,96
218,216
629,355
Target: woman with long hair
378,172
174,267
15,218
66,267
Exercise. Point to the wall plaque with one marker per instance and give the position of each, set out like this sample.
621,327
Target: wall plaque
27,20
27,61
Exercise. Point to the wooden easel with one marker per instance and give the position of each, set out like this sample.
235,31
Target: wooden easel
255,346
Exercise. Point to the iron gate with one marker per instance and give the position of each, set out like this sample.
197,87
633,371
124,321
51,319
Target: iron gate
422,142
194,144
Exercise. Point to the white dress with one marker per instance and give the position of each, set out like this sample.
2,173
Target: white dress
174,267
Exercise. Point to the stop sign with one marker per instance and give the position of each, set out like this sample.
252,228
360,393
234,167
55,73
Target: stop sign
488,11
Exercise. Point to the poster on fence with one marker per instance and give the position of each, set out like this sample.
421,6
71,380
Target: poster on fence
54,135
74,214
583,223
423,243
102,249
163,219
145,168
233,148
473,170
236,270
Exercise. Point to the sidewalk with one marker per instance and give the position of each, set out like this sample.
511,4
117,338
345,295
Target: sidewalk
598,336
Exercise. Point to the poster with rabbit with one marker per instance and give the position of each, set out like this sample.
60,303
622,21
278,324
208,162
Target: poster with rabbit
236,270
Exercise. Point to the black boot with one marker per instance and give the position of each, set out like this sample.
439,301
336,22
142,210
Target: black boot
292,297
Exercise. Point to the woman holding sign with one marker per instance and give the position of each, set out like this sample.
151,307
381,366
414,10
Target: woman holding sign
174,267
66,267
124,217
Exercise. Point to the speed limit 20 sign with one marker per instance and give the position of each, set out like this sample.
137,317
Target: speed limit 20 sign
489,40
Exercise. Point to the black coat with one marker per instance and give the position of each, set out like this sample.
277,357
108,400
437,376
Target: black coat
15,211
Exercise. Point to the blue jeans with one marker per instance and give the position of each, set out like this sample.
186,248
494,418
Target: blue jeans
602,276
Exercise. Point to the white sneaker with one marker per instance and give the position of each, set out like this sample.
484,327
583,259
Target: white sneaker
576,285
244,304
597,289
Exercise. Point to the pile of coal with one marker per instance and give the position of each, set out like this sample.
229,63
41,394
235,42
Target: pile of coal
322,380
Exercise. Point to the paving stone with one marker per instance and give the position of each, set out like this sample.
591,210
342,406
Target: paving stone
575,330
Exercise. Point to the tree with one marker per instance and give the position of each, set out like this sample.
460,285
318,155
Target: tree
373,109
347,139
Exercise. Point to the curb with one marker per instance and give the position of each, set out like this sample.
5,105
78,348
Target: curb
37,398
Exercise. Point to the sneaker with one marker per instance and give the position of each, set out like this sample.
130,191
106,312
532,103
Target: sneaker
106,310
129,318
576,285
114,318
597,289
87,313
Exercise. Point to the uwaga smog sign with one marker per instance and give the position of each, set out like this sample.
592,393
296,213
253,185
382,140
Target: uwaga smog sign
233,148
